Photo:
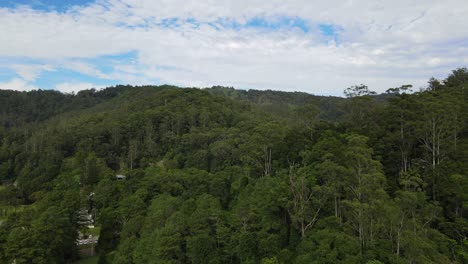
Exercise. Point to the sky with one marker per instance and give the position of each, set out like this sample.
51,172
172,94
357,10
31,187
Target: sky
319,47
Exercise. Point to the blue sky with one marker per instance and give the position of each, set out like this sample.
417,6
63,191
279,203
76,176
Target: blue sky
320,47
45,5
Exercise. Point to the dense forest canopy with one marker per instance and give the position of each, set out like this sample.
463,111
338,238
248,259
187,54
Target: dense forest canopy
220,175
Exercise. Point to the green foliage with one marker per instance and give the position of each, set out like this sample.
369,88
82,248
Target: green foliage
230,176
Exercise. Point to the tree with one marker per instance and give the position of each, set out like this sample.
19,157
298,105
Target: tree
359,107
307,199
328,244
459,77
358,90
433,125
400,108
365,189
309,117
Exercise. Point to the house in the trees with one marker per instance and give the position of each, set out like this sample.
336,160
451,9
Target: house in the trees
120,177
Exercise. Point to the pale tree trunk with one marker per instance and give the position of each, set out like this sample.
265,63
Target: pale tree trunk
267,161
301,202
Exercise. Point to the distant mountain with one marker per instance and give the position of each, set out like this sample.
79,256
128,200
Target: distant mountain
285,103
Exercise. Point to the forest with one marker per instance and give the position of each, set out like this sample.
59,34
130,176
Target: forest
220,175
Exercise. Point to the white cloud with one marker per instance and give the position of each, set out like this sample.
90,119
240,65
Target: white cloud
30,72
84,68
380,43
17,84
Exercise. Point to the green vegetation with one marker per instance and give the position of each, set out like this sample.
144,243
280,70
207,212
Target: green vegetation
90,260
221,175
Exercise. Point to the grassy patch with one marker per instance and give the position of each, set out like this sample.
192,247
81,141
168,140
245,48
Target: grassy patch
86,246
94,231
90,260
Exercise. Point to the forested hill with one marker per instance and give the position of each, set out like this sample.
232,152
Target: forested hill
220,175
285,104
19,108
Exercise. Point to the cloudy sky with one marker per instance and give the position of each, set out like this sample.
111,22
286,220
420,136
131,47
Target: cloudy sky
319,47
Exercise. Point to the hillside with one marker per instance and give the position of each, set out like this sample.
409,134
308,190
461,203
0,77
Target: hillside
285,104
220,175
